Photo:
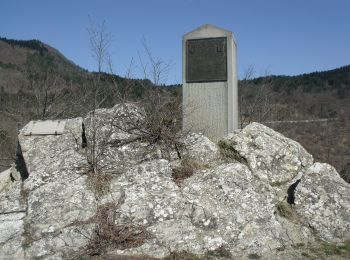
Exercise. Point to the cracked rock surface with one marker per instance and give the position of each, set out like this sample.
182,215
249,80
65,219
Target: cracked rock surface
322,199
256,194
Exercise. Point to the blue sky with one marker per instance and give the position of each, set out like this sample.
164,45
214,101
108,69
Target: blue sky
275,36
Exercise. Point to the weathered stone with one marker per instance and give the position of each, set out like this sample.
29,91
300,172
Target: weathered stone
63,244
11,200
12,213
11,230
55,191
272,157
323,200
240,210
57,205
224,206
5,179
200,148
140,192
51,158
105,130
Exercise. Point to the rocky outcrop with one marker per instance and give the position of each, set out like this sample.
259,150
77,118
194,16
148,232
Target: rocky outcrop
322,200
271,157
255,194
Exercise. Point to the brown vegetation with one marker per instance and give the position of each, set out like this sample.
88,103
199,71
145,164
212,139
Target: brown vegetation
109,235
186,169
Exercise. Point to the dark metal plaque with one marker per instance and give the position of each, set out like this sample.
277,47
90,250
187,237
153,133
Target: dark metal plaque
206,60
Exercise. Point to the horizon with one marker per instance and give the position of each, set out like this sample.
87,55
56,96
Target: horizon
273,38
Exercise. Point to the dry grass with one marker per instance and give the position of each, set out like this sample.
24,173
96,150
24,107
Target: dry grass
99,183
228,152
326,250
286,211
108,235
187,168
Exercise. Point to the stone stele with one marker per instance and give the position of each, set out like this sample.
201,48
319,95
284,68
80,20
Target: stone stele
210,100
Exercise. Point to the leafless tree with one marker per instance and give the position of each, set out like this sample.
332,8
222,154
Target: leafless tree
48,90
153,118
153,67
257,102
100,41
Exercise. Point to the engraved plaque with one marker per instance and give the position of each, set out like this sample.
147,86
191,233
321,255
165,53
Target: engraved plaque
206,60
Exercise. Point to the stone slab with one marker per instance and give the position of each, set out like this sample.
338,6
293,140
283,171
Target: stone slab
48,127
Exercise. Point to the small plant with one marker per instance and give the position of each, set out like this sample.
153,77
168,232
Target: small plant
186,170
285,210
228,151
330,249
326,249
346,246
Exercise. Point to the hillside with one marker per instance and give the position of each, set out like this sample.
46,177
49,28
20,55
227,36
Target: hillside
18,58
337,79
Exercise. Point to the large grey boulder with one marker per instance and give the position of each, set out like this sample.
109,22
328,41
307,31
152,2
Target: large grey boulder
272,157
256,194
322,200
56,194
198,147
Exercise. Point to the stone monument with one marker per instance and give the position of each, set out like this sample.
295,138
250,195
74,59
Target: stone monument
209,76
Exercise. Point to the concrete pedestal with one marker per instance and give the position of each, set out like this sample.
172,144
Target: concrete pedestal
210,98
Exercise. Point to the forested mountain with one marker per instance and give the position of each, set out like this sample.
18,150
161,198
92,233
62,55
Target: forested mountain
337,79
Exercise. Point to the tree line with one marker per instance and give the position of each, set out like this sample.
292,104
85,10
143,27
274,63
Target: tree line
31,44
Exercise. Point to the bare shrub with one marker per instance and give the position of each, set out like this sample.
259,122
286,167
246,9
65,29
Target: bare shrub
99,183
155,121
154,117
108,235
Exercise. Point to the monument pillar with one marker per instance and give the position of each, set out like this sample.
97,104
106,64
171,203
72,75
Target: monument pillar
209,77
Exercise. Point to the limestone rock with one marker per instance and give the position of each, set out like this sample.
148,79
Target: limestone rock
11,230
200,148
10,195
12,214
323,200
105,130
258,194
55,191
271,157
